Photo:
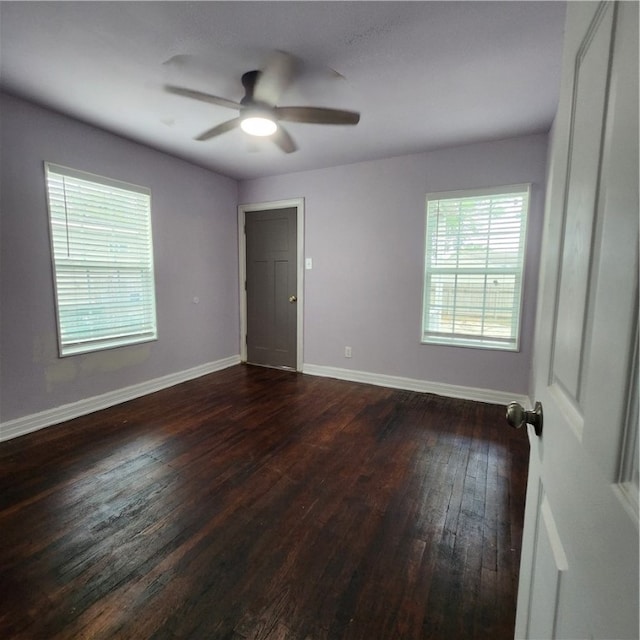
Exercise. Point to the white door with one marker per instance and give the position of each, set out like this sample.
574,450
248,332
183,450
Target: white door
579,570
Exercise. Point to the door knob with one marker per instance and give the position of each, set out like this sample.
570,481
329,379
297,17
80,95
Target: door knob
517,416
292,299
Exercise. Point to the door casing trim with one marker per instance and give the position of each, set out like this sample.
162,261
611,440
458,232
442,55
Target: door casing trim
243,209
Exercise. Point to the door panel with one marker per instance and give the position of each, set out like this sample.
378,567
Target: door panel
585,136
271,273
580,563
550,564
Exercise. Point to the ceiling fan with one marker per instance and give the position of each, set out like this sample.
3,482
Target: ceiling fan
258,113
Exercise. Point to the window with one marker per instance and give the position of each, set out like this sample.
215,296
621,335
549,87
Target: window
474,260
103,261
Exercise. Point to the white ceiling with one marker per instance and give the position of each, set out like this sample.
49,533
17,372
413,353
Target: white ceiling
423,75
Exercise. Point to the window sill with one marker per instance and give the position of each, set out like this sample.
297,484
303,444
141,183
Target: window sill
470,344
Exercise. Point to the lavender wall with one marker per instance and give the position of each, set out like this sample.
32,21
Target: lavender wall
364,229
195,238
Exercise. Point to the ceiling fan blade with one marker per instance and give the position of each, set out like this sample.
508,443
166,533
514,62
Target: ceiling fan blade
317,115
282,138
203,97
219,129
275,77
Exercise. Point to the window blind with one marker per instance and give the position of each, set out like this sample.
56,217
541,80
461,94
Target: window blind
103,260
474,262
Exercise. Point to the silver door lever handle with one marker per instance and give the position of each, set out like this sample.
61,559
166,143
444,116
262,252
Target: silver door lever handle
517,416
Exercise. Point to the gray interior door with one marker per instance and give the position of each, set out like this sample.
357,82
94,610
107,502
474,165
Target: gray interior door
271,241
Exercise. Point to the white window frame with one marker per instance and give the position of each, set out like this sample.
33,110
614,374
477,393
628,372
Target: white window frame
428,335
114,269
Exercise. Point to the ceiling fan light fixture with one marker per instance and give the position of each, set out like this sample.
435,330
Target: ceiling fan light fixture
258,125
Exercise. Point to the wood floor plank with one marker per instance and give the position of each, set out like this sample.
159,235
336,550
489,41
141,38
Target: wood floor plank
261,504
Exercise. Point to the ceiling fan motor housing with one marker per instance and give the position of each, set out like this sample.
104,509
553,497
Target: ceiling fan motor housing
249,80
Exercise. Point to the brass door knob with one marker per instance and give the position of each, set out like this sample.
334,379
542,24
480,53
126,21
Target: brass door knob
292,299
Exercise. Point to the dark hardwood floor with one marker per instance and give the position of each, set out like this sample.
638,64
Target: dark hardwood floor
261,504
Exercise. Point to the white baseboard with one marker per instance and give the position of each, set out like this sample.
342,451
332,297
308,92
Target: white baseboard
33,422
490,396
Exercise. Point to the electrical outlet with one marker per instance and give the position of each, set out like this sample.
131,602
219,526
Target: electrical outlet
347,352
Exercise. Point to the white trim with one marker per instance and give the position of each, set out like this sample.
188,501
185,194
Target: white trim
36,421
507,189
33,422
298,203
79,174
490,396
